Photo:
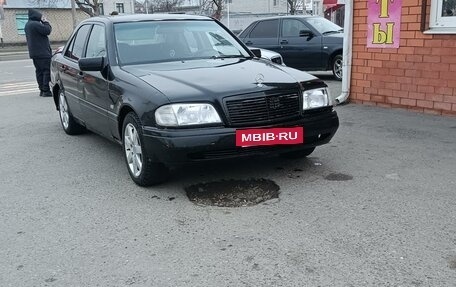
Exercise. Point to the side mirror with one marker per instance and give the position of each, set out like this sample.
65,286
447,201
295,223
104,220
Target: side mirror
256,52
306,33
91,64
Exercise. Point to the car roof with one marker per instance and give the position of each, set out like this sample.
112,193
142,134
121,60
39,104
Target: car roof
289,17
145,17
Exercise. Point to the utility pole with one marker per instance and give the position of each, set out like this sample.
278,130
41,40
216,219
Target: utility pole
2,18
228,10
73,13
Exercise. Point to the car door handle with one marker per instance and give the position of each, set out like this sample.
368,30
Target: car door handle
248,43
63,68
283,42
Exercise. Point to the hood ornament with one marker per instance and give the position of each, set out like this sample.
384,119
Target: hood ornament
259,79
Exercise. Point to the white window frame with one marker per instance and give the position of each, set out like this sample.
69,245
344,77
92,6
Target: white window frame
439,24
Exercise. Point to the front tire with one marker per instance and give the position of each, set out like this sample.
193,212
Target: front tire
143,171
298,154
69,125
337,67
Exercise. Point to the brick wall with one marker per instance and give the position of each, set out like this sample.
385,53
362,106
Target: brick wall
60,19
419,76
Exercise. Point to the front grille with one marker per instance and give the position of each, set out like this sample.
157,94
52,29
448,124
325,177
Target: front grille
263,109
236,152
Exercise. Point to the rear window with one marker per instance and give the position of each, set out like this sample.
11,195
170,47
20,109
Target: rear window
266,29
245,32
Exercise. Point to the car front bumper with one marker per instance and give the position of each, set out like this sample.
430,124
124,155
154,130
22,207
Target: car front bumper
176,146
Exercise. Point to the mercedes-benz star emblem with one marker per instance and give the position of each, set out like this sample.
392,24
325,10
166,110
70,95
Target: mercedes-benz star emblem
259,80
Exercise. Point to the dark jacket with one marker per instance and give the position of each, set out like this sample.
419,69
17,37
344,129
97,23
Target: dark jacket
37,33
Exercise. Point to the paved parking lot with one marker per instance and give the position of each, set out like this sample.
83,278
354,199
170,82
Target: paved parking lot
375,207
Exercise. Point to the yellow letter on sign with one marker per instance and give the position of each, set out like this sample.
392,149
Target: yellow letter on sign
384,8
382,37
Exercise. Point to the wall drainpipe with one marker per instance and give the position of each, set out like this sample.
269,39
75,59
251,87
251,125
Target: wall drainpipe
347,52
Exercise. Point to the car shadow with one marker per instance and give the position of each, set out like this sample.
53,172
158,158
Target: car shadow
110,155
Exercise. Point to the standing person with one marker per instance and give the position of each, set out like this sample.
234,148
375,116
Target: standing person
37,31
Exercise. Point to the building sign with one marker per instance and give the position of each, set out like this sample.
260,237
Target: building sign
384,23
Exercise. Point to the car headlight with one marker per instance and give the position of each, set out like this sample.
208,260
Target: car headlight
316,98
175,115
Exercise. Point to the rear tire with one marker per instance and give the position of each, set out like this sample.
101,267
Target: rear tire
143,171
298,154
69,125
337,67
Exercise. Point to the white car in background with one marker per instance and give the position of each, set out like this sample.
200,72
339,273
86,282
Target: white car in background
272,56
266,54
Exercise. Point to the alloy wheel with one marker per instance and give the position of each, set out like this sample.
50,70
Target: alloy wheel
63,111
133,149
338,67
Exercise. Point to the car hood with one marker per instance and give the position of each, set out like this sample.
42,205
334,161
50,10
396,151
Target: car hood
208,79
337,38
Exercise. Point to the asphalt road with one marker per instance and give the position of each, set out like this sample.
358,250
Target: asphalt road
375,207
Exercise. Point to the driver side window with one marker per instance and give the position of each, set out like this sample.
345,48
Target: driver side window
96,46
76,48
291,27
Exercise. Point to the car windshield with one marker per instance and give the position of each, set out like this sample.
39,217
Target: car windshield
324,26
163,41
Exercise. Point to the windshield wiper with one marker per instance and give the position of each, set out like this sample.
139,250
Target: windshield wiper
227,56
333,32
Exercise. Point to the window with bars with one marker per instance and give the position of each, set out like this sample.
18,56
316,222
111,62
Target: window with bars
120,7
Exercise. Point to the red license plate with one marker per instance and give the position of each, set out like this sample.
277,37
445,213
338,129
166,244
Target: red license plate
274,136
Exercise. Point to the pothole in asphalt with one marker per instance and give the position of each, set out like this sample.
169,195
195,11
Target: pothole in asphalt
338,177
233,193
452,263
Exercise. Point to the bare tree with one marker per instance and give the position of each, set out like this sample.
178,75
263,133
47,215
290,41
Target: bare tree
90,7
213,8
292,6
43,3
165,5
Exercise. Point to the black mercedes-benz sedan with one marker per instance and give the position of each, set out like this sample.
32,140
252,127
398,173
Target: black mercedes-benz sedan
177,88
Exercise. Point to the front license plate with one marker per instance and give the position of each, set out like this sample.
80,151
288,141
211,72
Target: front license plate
274,136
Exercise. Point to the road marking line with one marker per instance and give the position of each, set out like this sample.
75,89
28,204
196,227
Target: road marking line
15,61
17,84
18,87
12,87
17,92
